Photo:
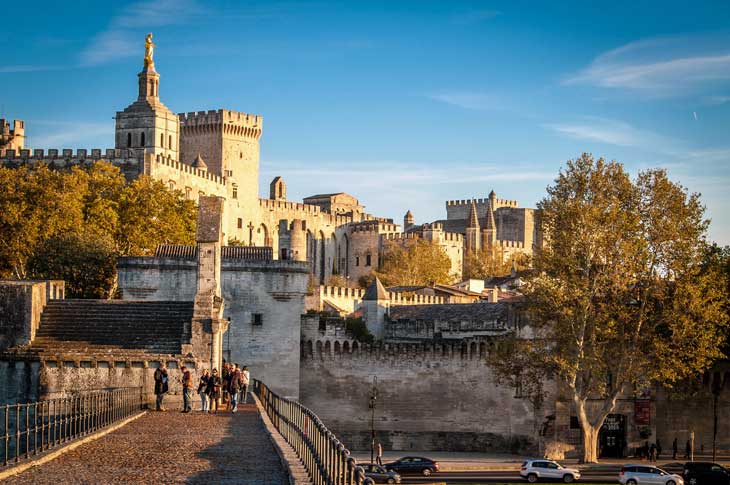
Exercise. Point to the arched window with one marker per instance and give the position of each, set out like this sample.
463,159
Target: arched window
141,139
129,140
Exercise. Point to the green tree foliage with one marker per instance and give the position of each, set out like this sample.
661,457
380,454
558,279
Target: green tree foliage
417,262
490,261
359,330
73,224
620,297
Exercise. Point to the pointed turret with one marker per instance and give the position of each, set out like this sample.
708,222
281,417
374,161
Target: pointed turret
489,233
408,220
199,163
376,304
472,230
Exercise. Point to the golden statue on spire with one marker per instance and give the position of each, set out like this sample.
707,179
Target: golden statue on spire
149,51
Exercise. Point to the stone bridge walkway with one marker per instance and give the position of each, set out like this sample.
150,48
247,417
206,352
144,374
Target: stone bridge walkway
171,447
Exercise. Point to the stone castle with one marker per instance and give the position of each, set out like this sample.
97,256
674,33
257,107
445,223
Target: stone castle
198,305
217,153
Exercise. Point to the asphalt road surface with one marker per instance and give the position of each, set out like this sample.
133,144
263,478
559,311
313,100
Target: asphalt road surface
475,477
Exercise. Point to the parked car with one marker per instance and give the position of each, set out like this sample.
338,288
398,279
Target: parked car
534,470
412,465
380,474
643,474
705,473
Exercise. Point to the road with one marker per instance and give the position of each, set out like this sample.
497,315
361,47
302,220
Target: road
476,477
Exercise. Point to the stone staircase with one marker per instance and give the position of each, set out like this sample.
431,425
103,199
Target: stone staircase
112,326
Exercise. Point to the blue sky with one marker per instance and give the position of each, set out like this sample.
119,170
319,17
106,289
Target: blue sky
402,104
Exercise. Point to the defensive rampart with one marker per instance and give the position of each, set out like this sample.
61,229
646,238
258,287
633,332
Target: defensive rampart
430,397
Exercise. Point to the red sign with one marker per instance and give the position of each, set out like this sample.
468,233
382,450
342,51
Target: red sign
642,413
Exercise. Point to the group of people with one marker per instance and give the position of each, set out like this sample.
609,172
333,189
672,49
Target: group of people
229,387
653,451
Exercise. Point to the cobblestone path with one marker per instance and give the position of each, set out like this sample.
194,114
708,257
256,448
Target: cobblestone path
171,447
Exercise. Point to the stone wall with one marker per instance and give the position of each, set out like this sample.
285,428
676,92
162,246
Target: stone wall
21,304
429,398
263,300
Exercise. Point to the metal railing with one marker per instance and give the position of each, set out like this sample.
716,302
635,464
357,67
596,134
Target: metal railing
32,428
326,459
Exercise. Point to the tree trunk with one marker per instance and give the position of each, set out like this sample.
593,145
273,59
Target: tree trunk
590,443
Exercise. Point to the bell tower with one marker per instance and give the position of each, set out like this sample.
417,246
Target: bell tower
147,126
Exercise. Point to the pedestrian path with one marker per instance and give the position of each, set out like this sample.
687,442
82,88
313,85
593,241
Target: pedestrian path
171,447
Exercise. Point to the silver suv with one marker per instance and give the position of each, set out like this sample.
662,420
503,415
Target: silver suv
650,475
534,470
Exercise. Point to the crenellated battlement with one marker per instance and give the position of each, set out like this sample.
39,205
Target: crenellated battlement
511,244
350,299
70,154
229,122
476,350
304,210
467,202
185,168
400,236
453,237
374,226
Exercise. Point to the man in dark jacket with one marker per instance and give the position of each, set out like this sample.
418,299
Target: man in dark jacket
235,382
161,385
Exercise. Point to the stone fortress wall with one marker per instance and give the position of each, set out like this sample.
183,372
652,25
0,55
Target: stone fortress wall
430,397
350,299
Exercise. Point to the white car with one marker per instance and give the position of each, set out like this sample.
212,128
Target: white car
534,470
649,475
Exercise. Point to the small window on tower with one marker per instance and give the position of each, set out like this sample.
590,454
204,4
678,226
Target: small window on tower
240,155
141,139
357,260
235,192
257,319
240,223
169,145
162,140
129,140
368,261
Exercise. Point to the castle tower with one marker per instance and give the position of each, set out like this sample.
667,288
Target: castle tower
147,126
298,241
472,230
11,139
408,221
489,233
208,325
229,143
277,189
376,304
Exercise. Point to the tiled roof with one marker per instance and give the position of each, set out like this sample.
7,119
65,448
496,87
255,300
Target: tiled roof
449,312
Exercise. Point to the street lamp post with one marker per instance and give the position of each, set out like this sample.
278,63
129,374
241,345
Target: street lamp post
371,405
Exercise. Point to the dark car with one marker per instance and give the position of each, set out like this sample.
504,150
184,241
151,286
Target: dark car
380,474
410,465
705,473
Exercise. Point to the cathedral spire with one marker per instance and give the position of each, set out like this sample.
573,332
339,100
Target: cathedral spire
473,217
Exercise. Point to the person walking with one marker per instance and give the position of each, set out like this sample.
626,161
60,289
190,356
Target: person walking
214,391
187,384
225,382
379,459
234,386
674,448
687,450
658,448
245,378
202,387
652,452
161,385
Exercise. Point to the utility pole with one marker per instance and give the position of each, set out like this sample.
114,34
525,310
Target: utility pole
373,399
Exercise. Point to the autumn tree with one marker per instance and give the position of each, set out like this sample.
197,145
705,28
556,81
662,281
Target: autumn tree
619,298
414,263
491,261
73,224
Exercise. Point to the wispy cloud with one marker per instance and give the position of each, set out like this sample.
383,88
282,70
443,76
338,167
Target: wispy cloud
659,67
467,100
26,68
612,132
716,100
121,38
60,134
